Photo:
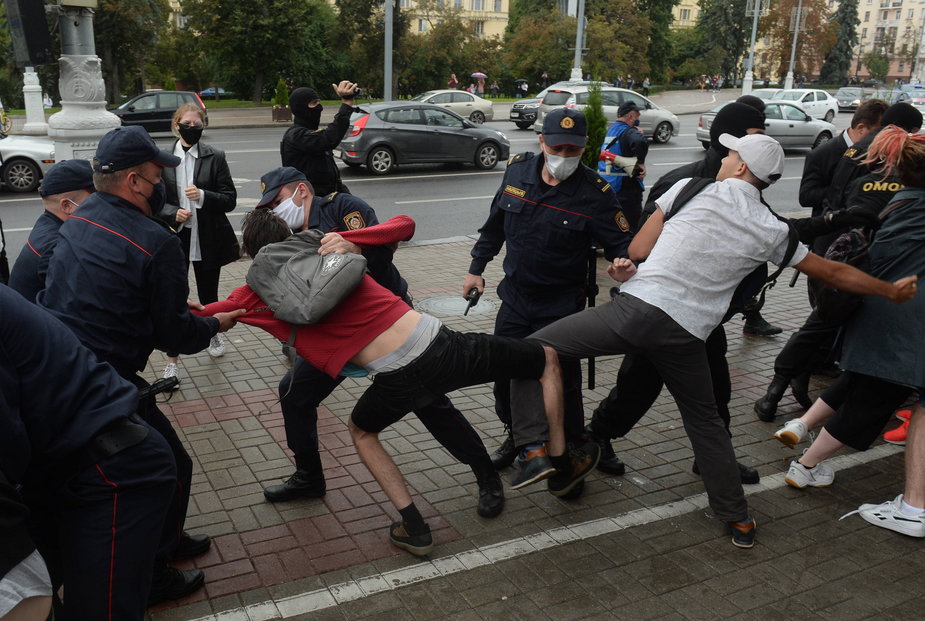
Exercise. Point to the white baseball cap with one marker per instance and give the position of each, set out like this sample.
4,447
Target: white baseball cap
762,154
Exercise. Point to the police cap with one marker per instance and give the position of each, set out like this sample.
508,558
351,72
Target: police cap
129,146
271,182
565,126
67,176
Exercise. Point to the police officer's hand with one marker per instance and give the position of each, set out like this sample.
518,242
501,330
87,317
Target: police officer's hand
183,215
192,193
621,270
334,243
227,320
345,90
852,217
640,171
473,281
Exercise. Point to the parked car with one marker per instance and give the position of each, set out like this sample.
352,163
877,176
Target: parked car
154,110
850,97
655,122
25,159
467,105
892,95
211,92
523,111
817,104
390,134
765,93
784,121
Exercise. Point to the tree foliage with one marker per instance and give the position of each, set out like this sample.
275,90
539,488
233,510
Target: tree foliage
726,32
125,32
540,43
878,64
688,59
659,14
597,126
837,63
611,51
814,42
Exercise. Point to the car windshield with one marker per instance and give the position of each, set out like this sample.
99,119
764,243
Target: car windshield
556,98
789,95
422,96
849,92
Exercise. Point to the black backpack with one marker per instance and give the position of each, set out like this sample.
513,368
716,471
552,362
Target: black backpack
757,282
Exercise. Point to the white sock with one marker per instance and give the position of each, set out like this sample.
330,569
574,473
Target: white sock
909,509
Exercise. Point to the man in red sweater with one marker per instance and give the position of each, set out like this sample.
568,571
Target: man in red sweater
412,357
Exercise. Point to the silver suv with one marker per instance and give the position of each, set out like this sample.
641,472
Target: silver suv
655,122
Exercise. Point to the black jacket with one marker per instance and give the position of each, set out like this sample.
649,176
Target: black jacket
217,242
817,172
309,150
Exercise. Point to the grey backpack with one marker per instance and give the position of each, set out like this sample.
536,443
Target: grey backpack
299,285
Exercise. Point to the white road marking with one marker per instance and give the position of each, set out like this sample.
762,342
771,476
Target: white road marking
352,590
446,200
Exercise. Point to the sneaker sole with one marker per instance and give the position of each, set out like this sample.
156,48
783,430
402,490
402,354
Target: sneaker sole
413,549
788,438
538,477
565,490
896,442
891,525
903,415
744,546
795,484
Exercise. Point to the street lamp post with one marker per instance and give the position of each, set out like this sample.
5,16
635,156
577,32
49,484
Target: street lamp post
749,78
788,81
579,39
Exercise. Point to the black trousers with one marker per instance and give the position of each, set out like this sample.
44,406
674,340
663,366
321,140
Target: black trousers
310,387
94,529
863,404
639,385
806,348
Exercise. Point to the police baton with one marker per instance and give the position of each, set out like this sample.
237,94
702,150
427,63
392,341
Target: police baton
591,292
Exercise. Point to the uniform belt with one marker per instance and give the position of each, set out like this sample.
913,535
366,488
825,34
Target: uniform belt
112,439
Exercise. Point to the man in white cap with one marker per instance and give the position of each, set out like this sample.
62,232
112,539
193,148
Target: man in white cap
693,263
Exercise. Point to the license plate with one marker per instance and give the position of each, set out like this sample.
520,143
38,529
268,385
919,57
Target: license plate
515,115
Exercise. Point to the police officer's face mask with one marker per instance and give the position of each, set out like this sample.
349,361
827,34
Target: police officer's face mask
292,214
561,167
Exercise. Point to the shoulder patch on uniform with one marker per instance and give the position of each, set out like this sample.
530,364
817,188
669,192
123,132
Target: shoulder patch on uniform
509,189
520,157
596,179
329,198
354,220
850,152
622,223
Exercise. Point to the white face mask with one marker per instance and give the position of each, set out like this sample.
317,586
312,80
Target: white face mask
292,214
561,167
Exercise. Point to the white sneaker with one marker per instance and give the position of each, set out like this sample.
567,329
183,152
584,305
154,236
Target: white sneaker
217,346
172,370
792,433
800,476
889,515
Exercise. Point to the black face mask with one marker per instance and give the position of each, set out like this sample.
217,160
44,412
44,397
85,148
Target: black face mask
190,134
313,117
158,197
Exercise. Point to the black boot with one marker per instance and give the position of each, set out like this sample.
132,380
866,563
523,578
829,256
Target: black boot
504,455
491,492
799,386
766,406
609,462
302,484
168,583
756,325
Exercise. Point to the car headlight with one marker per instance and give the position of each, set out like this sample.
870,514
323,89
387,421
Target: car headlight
503,137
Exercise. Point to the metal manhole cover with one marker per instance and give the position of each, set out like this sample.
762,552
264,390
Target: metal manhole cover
453,305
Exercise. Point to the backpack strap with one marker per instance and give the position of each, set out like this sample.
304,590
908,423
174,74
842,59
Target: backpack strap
886,210
691,189
615,138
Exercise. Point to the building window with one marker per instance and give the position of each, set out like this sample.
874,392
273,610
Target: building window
478,28
405,4
685,15
899,14
867,16
864,33
902,66
422,25
911,14
478,5
457,4
497,6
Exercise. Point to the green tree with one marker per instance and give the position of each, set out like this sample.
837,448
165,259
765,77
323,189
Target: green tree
878,64
660,17
360,31
539,44
837,63
727,33
610,52
522,8
814,42
597,126
126,31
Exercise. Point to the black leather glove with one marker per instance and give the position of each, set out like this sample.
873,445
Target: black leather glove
853,217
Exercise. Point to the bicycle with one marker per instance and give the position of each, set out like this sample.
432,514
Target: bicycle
6,122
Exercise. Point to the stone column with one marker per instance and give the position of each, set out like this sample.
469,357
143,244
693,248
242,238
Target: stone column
83,118
35,112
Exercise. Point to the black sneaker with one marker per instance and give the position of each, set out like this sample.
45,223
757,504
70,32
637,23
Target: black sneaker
505,454
534,466
755,325
582,461
419,545
491,494
743,533
169,583
300,485
609,461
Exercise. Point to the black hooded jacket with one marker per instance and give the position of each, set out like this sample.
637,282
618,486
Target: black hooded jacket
308,149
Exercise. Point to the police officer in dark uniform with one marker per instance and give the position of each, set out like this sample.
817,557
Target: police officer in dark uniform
118,281
96,479
624,140
66,185
303,388
308,148
548,212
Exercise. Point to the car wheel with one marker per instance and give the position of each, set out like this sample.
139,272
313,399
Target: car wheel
21,175
704,144
829,116
524,125
380,161
486,156
821,139
662,133
477,117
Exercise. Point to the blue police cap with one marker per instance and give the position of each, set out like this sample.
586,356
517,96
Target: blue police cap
129,146
271,182
67,176
565,126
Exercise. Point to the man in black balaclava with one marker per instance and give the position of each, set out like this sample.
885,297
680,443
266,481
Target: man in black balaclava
638,381
308,148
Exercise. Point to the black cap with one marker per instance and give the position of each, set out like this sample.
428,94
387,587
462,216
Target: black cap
626,107
755,102
271,182
565,126
903,115
67,176
300,98
129,146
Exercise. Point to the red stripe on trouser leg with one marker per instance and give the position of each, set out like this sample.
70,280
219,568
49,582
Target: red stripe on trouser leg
112,552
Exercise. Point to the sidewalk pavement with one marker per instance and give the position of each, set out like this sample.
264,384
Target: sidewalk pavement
640,546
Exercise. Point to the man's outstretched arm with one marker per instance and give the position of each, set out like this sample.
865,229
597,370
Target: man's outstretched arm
847,278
